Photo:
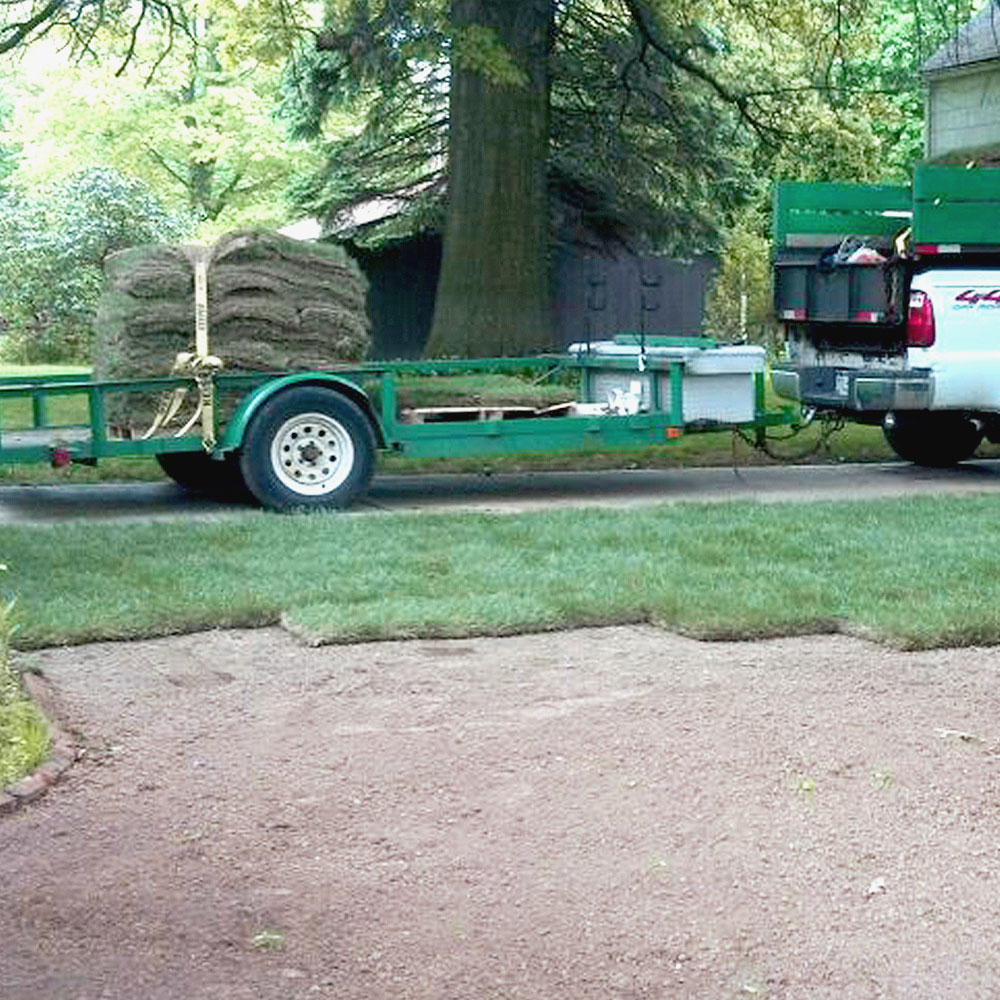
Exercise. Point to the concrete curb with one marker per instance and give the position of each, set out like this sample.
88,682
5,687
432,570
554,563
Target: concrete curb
65,750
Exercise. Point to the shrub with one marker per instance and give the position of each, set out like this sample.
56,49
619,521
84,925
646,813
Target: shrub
52,246
24,734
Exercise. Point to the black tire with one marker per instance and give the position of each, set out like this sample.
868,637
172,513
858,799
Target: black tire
934,439
308,448
197,472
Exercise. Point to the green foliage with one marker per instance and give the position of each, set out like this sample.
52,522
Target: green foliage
51,250
476,48
638,154
101,211
264,31
739,304
374,101
635,151
665,118
885,82
202,135
9,149
24,735
268,940
24,740
10,689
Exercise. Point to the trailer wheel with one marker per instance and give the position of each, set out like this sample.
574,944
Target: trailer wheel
308,448
933,439
197,472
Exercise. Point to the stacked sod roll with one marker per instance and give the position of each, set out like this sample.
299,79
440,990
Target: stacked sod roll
274,304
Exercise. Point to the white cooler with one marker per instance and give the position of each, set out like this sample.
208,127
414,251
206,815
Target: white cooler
718,382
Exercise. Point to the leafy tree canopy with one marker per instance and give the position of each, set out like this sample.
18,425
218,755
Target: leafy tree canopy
663,115
187,106
265,30
51,250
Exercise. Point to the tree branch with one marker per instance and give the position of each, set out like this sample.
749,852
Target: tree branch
15,34
643,20
165,165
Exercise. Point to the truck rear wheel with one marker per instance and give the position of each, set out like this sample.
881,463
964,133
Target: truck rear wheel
308,448
934,439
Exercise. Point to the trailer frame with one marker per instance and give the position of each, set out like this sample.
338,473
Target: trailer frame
373,387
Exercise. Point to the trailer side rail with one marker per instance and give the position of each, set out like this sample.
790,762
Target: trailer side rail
662,419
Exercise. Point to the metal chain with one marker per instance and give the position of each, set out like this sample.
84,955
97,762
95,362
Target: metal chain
830,425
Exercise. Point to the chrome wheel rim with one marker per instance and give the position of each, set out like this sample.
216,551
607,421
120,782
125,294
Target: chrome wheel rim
312,454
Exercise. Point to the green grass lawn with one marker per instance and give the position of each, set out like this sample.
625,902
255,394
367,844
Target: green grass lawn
915,573
28,371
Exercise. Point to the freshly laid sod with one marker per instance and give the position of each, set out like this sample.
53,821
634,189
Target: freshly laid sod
918,573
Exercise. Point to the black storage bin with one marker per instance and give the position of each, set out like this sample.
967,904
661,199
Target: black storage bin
848,293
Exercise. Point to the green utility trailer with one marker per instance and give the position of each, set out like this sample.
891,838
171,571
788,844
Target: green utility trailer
308,439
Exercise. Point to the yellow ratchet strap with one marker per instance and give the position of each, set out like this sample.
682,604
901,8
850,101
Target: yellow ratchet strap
198,365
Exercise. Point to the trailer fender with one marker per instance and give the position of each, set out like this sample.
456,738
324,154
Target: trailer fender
232,438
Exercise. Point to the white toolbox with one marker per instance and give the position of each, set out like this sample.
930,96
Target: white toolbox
717,382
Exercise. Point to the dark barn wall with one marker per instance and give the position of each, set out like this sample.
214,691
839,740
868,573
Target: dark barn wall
402,281
593,297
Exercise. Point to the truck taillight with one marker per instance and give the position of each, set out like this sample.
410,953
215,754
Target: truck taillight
920,321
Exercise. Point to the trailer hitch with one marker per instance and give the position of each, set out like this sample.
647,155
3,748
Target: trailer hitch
830,423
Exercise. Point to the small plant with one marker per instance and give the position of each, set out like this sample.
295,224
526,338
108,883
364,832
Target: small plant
10,689
806,787
881,778
268,940
24,736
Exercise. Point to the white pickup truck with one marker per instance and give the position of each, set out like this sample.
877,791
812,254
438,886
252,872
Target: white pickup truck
912,342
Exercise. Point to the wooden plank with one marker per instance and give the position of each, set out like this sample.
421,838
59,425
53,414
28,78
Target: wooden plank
558,410
463,414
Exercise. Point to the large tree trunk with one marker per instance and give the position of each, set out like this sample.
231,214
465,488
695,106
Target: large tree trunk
493,292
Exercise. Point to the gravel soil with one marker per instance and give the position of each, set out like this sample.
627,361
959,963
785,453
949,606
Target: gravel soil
612,813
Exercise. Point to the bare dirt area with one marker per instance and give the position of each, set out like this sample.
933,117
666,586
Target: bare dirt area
611,813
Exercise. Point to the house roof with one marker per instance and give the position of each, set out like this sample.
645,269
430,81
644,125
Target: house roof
304,229
978,40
